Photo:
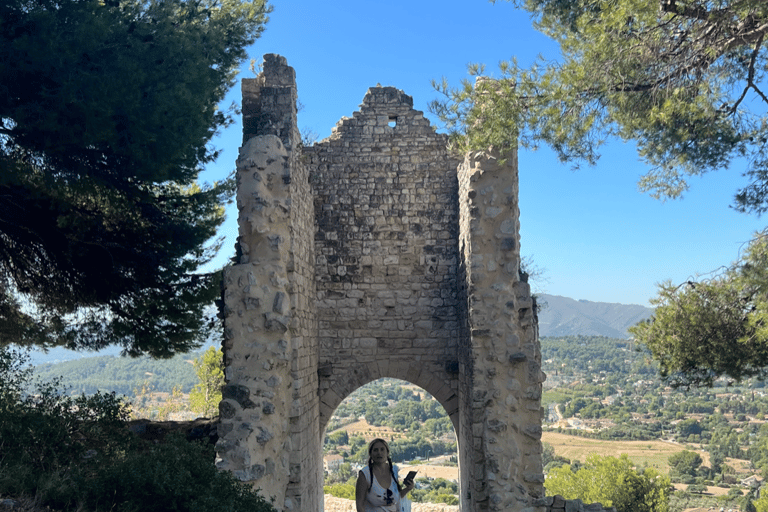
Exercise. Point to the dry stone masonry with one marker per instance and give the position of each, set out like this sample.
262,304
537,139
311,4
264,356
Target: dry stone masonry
375,253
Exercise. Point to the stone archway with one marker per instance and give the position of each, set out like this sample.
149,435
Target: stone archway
447,400
375,253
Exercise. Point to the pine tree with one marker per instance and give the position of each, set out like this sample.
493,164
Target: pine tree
684,80
107,109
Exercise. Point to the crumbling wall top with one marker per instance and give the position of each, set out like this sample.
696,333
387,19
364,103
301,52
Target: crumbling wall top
385,112
269,102
386,97
276,72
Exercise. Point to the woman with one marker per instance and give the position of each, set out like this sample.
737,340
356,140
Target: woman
377,488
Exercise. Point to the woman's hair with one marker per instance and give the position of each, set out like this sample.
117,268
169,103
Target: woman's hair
389,459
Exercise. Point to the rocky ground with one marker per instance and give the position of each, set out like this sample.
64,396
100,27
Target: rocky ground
333,504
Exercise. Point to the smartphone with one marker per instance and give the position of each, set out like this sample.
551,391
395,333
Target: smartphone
411,475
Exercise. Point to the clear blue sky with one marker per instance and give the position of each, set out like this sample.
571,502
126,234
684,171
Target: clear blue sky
596,237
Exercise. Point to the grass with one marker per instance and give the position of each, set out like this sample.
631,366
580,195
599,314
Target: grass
643,453
554,396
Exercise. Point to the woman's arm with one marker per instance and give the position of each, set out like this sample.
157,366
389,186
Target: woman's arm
406,487
361,491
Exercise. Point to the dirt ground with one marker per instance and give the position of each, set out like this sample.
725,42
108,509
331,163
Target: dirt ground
713,491
333,504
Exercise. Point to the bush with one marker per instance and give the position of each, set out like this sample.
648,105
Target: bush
448,499
613,482
175,475
438,490
346,491
77,454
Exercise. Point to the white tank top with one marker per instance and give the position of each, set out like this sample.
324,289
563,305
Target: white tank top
378,498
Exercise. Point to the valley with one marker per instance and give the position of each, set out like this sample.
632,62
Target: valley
602,396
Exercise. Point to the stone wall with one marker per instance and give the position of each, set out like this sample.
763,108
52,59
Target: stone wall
269,102
257,399
502,378
375,253
269,412
386,242
560,504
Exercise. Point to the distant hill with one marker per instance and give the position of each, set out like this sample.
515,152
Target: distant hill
121,374
562,316
105,370
59,355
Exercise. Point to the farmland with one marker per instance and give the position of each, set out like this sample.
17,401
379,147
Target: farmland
603,397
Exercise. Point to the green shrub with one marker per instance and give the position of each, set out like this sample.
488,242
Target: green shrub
346,491
177,475
438,490
76,453
613,482
448,499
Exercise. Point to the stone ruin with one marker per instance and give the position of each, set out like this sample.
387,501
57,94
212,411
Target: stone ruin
375,253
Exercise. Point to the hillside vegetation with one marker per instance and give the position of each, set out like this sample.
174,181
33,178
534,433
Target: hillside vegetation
59,452
122,375
603,395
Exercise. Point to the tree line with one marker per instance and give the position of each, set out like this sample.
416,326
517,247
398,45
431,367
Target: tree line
122,375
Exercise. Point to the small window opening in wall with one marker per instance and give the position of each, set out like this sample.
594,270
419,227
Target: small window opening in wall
392,121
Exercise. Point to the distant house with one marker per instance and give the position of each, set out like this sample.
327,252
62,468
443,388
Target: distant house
332,462
753,481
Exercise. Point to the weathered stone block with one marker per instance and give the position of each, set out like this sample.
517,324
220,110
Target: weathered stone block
238,393
574,506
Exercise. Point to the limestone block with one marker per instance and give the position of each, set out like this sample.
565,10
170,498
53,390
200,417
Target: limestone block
574,506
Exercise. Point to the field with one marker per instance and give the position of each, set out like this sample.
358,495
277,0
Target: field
369,432
432,471
653,454
643,453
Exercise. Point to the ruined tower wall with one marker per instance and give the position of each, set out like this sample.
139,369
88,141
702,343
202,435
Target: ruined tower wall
468,446
500,447
306,482
386,247
269,411
375,254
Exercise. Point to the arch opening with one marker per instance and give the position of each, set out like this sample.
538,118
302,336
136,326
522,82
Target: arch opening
417,428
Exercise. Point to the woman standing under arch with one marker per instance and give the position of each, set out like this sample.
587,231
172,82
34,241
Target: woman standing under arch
378,488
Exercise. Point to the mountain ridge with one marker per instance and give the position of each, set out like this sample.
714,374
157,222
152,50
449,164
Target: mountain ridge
563,316
559,316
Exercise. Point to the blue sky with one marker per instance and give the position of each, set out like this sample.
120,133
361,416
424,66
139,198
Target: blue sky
596,237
